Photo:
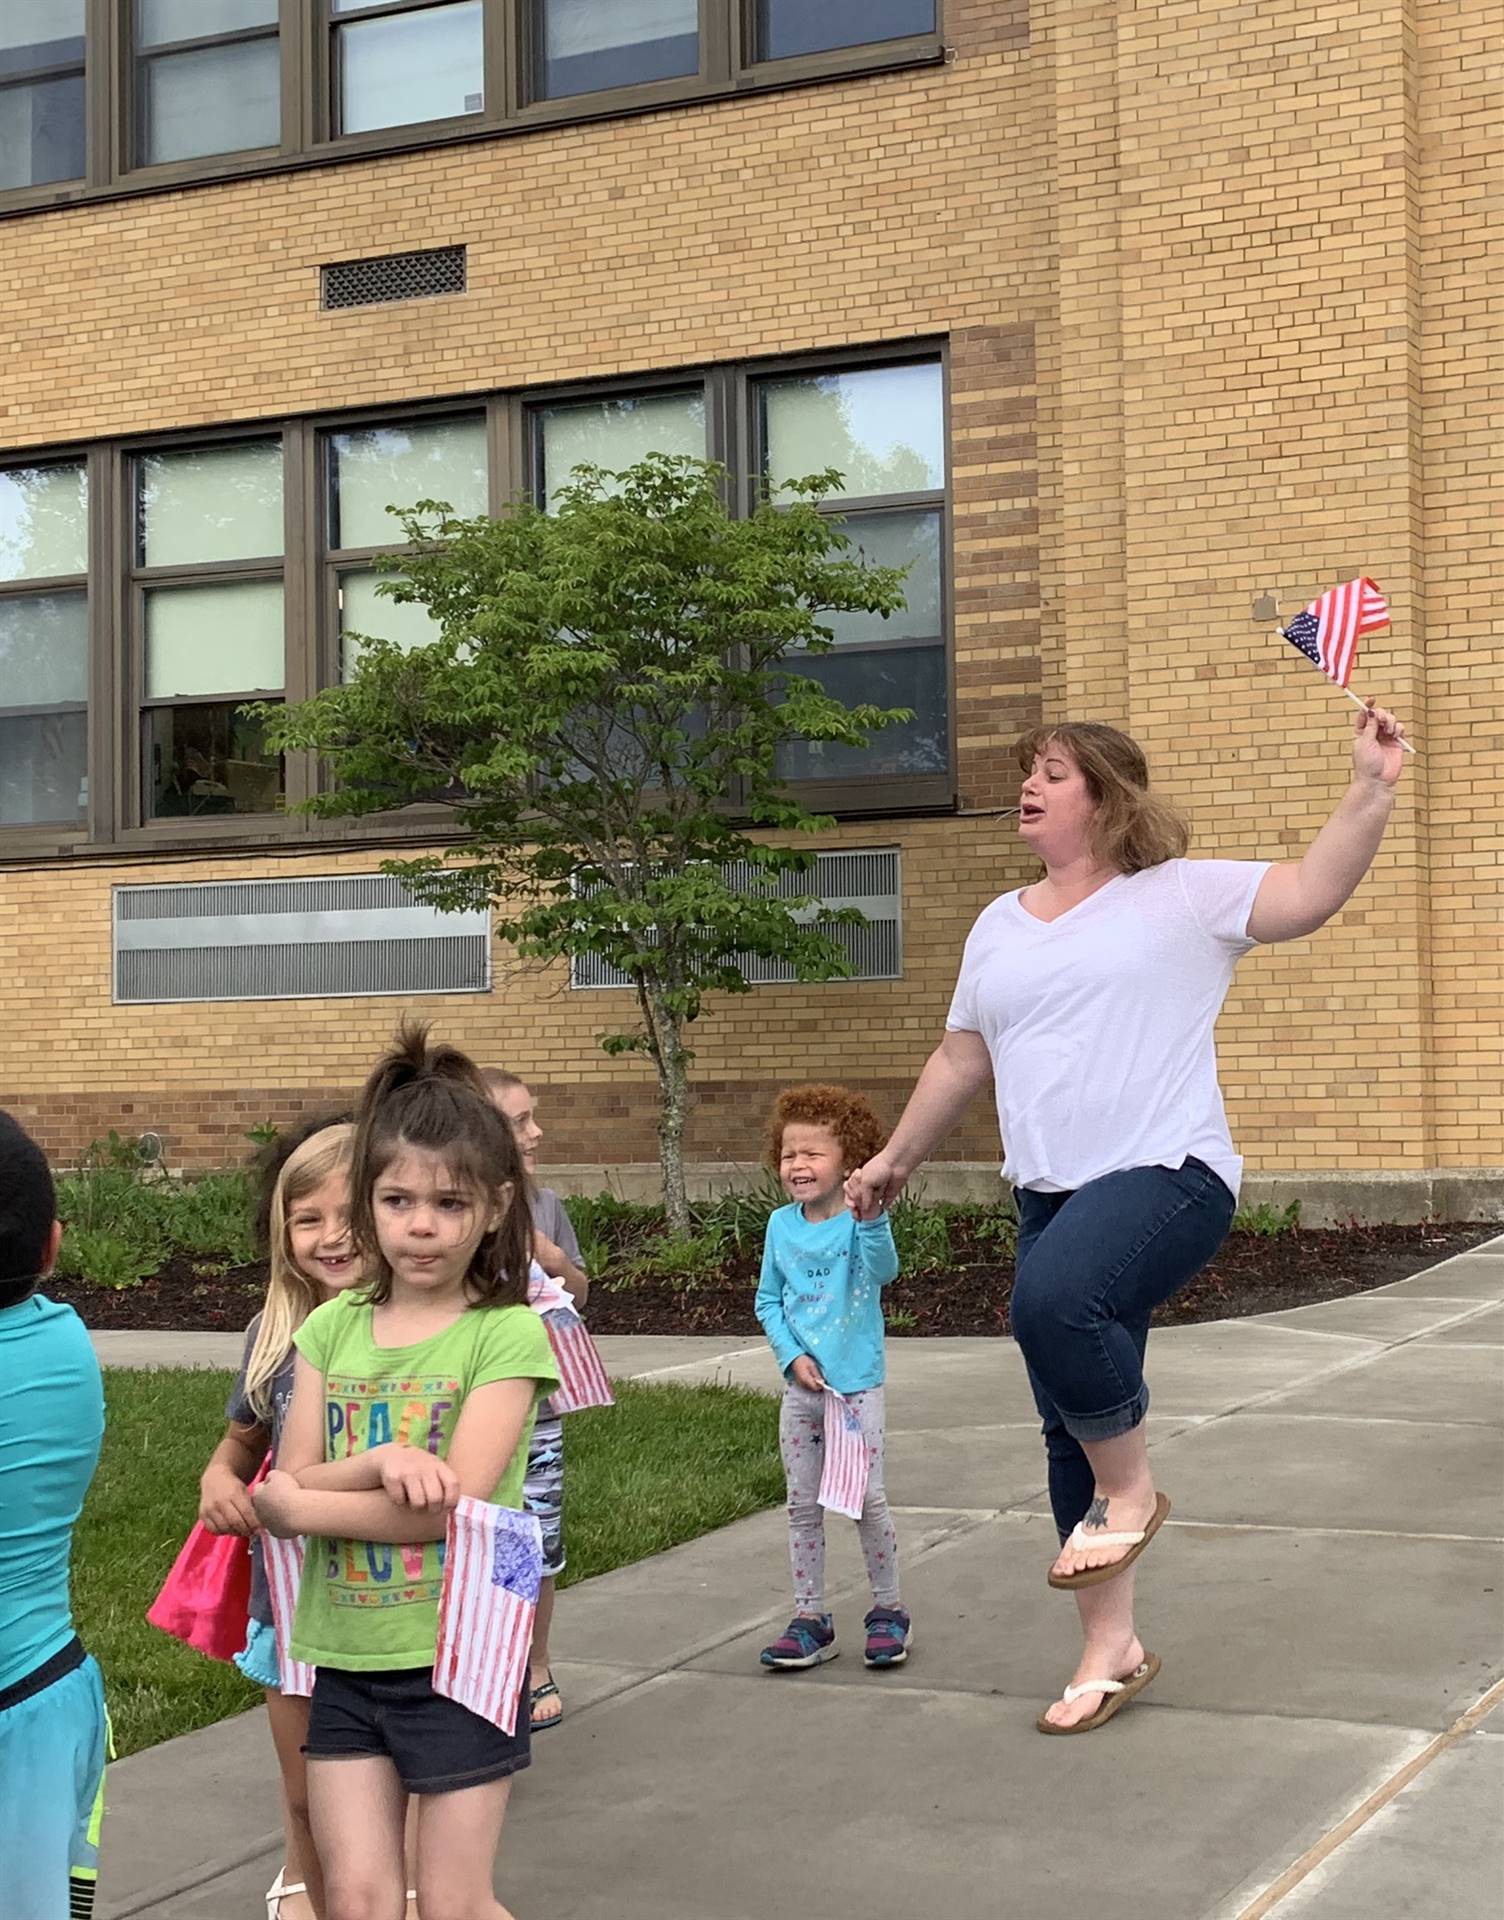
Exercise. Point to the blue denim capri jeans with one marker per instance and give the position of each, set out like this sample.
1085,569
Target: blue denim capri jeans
1092,1267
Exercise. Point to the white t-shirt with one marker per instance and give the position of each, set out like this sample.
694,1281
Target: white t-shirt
1100,1023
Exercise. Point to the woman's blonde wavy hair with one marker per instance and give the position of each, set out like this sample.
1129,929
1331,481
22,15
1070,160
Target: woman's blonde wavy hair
290,1295
1132,827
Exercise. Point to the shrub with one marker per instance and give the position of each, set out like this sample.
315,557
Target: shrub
125,1217
1267,1221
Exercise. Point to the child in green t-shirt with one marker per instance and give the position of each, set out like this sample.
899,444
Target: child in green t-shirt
411,1391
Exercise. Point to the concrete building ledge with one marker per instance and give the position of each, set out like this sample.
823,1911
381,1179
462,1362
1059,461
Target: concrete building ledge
1328,1198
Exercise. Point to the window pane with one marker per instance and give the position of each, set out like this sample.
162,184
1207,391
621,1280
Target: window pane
44,666
44,650
224,638
160,22
909,540
615,433
43,768
586,45
202,760
42,132
411,66
365,611
210,503
43,522
40,33
212,100
880,426
786,27
900,677
385,467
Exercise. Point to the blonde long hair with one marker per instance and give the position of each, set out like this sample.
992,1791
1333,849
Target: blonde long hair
290,1295
1132,828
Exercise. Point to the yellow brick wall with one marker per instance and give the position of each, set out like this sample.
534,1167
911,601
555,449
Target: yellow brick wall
1216,285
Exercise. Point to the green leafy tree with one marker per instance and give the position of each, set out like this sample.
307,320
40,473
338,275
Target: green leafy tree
604,709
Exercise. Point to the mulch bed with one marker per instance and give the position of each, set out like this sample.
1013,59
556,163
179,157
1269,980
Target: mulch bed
1252,1274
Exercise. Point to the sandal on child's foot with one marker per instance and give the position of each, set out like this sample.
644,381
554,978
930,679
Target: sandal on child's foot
541,1722
805,1642
889,1637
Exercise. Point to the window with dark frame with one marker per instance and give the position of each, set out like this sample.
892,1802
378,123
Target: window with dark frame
592,46
201,85
403,64
883,427
208,594
207,78
788,28
44,645
369,470
42,114
208,575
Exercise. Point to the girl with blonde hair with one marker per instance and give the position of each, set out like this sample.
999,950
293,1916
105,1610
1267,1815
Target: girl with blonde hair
303,1211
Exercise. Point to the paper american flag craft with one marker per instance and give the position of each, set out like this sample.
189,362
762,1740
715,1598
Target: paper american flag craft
582,1373
843,1481
493,1563
283,1560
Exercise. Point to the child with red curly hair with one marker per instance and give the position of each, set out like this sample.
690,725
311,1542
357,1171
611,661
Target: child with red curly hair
819,1301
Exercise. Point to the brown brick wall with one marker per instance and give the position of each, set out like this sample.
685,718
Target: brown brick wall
1218,284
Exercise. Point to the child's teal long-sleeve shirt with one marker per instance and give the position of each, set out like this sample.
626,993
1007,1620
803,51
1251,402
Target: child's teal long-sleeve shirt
820,1293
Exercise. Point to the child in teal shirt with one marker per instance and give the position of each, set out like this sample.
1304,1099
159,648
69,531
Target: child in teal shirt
53,1731
819,1301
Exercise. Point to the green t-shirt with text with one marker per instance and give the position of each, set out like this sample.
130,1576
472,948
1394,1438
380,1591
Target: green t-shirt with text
367,1604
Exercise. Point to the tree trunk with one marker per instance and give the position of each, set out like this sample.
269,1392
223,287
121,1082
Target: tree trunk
672,1061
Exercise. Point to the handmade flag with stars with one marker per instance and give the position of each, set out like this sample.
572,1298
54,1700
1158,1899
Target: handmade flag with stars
493,1565
1328,630
843,1483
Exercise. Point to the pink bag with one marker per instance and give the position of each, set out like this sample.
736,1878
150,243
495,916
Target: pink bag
206,1600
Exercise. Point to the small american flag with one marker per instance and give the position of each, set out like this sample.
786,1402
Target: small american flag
1327,632
493,1562
843,1483
582,1373
283,1560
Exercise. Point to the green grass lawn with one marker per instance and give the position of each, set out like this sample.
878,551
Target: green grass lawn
666,1464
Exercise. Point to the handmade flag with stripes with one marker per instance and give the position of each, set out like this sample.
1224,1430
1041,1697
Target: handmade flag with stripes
493,1563
283,1560
1327,632
582,1372
843,1483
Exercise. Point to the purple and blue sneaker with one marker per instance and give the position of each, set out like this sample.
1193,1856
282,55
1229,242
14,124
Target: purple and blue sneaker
888,1635
805,1642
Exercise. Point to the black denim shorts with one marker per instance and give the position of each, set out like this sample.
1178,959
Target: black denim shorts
435,1744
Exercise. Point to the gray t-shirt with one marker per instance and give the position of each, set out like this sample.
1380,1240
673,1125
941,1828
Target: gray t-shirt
240,1410
550,1219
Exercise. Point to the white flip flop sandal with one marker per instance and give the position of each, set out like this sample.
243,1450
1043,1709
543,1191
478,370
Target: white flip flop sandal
278,1891
1081,1542
1118,1692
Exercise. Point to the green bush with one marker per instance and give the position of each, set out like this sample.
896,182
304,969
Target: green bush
921,1234
1267,1221
125,1217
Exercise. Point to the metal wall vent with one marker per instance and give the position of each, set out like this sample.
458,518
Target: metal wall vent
395,276
868,880
328,938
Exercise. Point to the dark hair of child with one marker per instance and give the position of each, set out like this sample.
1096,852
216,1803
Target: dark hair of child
849,1116
267,1167
433,1098
28,1207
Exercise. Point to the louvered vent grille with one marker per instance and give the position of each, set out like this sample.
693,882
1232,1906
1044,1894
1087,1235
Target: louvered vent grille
868,880
331,938
395,276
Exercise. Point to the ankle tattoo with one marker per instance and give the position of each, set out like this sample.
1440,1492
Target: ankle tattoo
1096,1514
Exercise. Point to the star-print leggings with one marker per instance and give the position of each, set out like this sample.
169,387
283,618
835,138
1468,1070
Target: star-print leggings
801,1438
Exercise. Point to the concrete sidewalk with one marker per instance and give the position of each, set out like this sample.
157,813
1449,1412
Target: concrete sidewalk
1326,1599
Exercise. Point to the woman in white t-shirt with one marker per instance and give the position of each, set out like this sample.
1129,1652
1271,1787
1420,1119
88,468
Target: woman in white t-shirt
1089,999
